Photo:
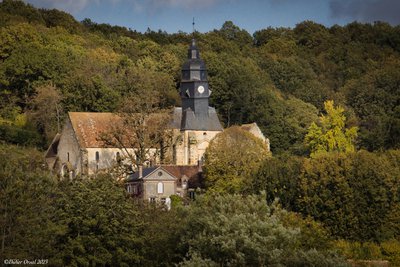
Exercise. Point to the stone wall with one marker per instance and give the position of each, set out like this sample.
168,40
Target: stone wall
190,146
68,152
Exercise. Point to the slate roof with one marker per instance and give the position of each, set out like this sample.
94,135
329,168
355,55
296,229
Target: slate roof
145,172
187,120
192,172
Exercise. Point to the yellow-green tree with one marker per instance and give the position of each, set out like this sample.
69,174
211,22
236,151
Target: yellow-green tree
331,135
232,158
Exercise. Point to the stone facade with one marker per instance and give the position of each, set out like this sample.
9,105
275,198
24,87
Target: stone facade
190,146
158,183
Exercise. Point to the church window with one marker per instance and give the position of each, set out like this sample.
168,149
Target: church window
160,188
159,173
129,189
118,157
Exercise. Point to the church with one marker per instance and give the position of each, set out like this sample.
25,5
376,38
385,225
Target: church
77,149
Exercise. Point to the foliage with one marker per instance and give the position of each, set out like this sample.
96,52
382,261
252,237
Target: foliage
231,158
27,227
331,135
387,250
233,230
354,195
102,225
46,111
279,78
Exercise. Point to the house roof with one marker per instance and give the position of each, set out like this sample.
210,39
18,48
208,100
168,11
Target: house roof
145,173
190,171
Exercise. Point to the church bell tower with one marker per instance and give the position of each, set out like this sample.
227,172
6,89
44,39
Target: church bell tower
195,94
194,89
195,124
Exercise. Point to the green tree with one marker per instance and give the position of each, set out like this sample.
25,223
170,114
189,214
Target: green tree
236,230
102,224
332,134
231,159
27,226
46,111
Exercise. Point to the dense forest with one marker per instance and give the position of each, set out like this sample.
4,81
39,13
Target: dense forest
291,81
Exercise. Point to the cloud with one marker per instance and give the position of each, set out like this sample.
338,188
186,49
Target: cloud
152,6
149,6
71,6
367,10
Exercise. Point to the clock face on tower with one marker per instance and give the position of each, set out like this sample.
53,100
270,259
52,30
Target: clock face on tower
200,89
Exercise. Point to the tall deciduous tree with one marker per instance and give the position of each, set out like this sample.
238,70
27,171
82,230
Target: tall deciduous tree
46,110
143,127
231,159
233,230
332,134
102,224
27,228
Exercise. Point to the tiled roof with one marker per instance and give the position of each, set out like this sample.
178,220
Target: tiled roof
190,171
88,126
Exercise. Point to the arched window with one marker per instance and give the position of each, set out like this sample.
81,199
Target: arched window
160,188
97,160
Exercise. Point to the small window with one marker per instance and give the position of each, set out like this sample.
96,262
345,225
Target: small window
68,156
163,200
97,156
160,188
129,189
152,199
204,133
159,173
118,157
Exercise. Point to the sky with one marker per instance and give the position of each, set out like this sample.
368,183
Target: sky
252,15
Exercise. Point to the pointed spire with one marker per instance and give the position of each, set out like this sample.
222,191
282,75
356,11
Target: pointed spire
193,30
